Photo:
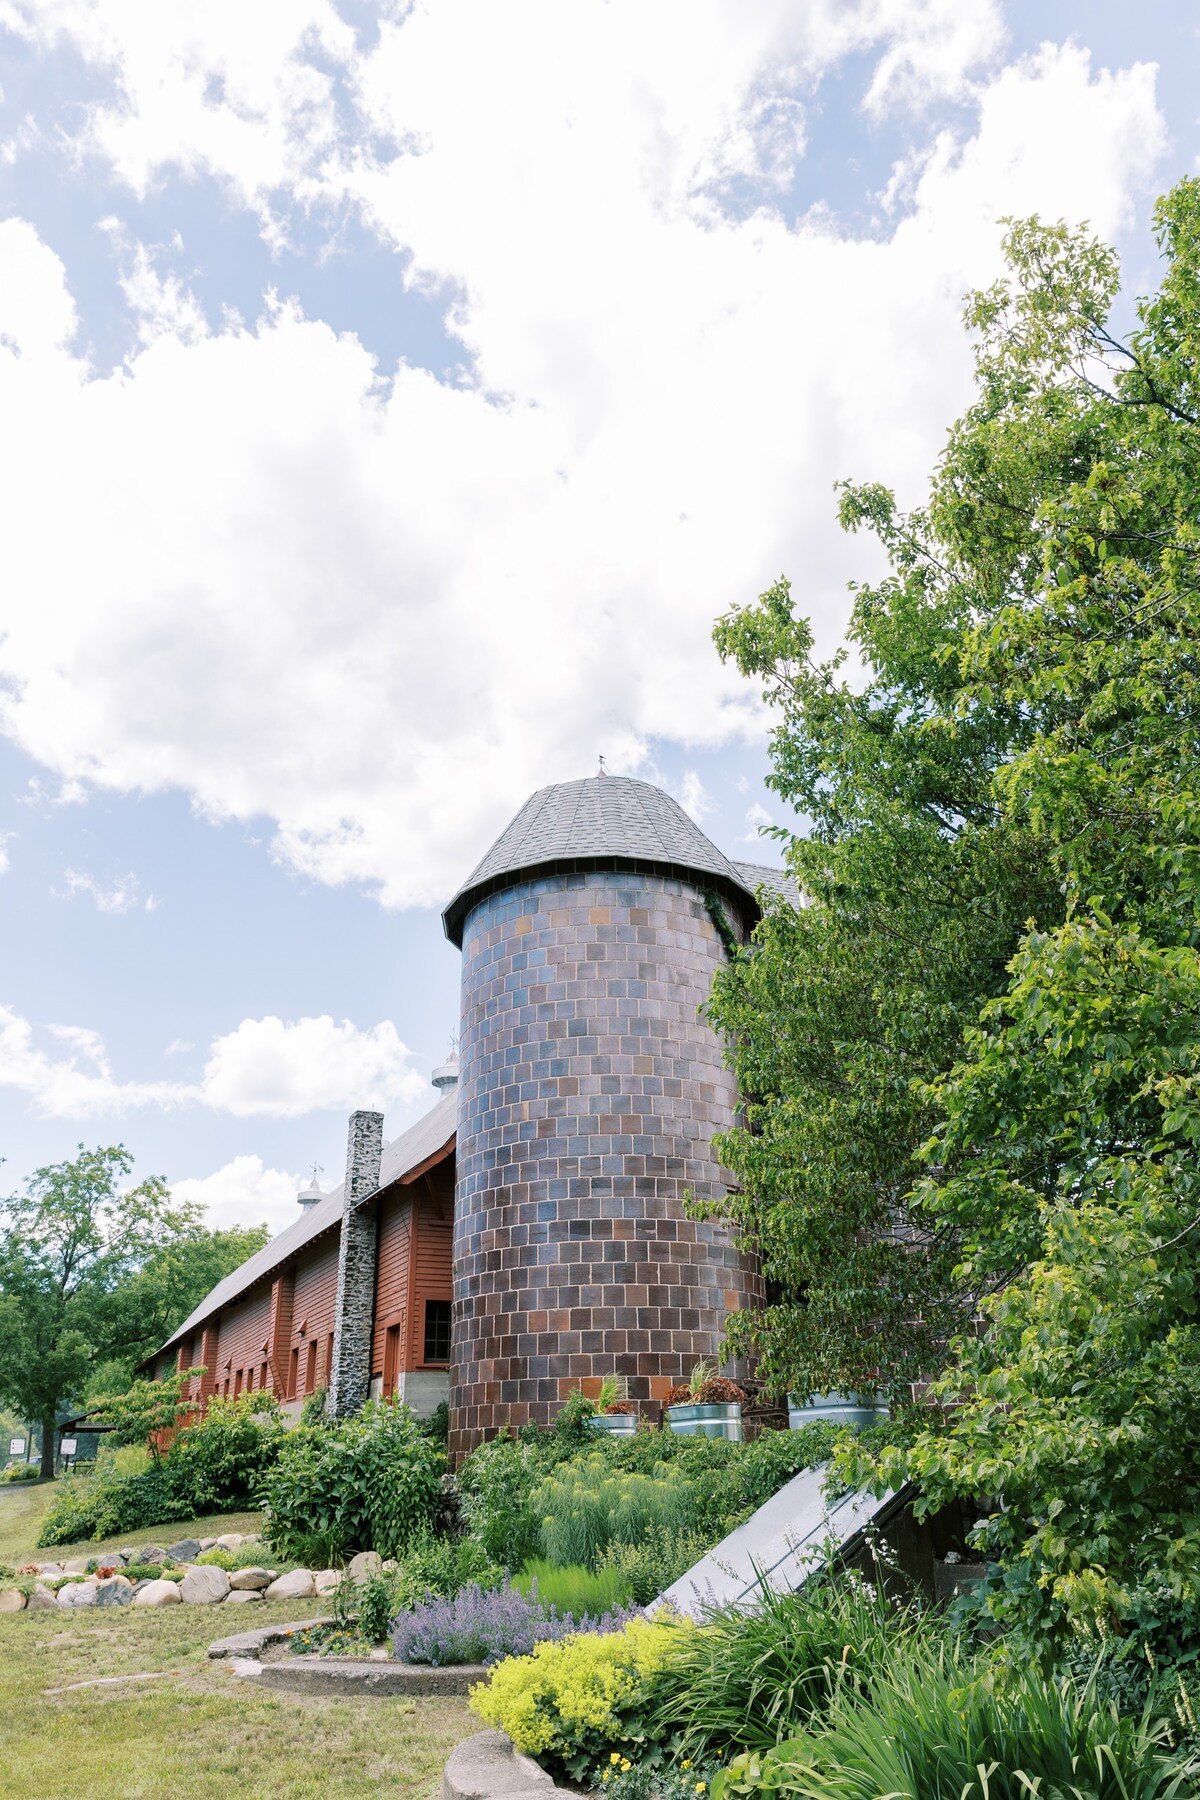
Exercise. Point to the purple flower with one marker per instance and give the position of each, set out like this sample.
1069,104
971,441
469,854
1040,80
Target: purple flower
482,1627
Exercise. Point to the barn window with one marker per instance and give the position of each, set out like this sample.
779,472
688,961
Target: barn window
437,1331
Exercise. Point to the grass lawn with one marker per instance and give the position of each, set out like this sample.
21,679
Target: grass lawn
198,1733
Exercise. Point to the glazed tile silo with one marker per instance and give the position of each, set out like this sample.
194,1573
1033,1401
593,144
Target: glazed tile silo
591,1088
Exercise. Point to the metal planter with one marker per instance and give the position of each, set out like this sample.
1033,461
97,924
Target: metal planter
855,1410
721,1421
613,1424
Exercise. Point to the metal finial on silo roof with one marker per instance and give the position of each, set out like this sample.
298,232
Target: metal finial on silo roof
312,1194
603,769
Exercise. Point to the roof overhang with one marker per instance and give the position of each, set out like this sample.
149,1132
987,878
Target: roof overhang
454,918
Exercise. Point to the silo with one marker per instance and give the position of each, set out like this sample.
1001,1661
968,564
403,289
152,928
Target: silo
590,1091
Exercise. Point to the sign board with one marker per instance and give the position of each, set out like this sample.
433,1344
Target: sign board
16,1446
68,1447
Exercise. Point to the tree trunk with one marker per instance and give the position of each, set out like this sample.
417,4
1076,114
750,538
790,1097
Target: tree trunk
48,1435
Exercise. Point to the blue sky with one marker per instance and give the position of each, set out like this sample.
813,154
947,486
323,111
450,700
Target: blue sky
390,398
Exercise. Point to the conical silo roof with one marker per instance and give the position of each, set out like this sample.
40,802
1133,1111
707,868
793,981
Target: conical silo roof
608,821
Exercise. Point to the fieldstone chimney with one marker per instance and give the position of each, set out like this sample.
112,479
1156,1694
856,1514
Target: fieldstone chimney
350,1373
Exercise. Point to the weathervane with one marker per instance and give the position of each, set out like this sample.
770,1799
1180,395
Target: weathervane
603,769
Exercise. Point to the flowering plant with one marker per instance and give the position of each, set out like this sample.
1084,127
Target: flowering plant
570,1702
479,1626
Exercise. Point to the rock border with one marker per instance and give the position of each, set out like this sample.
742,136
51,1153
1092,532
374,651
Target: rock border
489,1766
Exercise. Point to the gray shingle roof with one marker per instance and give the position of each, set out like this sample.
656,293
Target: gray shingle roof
405,1153
776,881
584,823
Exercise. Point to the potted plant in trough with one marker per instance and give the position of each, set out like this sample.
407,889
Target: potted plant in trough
706,1406
616,1413
856,1410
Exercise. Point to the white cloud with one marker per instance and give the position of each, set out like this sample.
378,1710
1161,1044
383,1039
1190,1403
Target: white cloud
265,1068
380,612
5,858
756,817
694,797
119,896
243,1192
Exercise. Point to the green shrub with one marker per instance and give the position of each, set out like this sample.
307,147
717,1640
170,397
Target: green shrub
575,1702
217,1558
105,1502
750,1678
574,1589
219,1460
658,1558
433,1565
497,1481
21,1472
142,1571
935,1724
495,1486
377,1605
216,1464
437,1425
774,1457
313,1411
368,1482
585,1506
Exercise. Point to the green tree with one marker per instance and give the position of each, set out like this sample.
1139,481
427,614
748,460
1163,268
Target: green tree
918,883
980,1043
89,1272
1065,1159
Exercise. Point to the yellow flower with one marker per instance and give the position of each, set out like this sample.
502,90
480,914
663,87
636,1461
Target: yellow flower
615,1757
701,1786
686,1763
626,1765
605,1775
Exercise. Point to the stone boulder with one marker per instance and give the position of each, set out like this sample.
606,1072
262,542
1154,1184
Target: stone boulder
208,1543
185,1551
157,1593
78,1567
367,1562
77,1593
12,1600
241,1595
204,1586
151,1553
245,1580
41,1599
115,1591
49,1568
325,1580
230,1540
298,1585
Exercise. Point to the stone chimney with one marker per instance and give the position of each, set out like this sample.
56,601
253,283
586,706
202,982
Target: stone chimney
350,1373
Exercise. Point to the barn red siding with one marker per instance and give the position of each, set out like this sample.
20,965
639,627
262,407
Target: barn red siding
241,1334
391,1270
432,1272
416,1229
314,1297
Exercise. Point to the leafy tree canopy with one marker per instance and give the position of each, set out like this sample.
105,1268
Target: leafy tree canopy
91,1273
974,1059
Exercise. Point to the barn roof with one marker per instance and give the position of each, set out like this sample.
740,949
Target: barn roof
419,1148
